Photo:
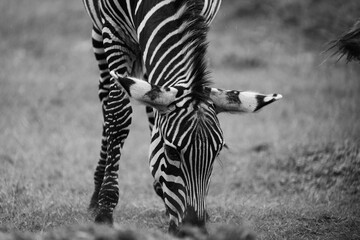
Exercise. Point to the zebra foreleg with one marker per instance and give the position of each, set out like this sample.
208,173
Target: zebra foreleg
104,88
100,169
99,174
117,120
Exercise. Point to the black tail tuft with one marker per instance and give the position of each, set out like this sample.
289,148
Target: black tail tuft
347,45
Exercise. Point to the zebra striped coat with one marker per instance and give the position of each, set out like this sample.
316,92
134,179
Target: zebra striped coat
153,51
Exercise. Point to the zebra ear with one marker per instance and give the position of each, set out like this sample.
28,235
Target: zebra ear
240,102
151,95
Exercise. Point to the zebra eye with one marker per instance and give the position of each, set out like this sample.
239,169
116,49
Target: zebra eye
172,153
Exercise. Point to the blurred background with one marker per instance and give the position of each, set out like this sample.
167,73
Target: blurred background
292,170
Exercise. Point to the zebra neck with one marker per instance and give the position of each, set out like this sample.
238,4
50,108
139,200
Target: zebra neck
172,38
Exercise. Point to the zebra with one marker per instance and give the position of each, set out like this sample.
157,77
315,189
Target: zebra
153,51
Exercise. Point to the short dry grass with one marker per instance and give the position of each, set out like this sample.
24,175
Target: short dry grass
292,170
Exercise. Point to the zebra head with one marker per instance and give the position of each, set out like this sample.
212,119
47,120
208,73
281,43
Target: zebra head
190,138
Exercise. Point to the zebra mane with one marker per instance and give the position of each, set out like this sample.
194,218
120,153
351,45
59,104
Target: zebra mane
198,28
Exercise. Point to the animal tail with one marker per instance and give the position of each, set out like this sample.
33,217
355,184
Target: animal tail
347,45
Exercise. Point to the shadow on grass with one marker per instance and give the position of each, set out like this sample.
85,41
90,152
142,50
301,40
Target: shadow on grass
120,233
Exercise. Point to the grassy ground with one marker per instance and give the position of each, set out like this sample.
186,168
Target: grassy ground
292,170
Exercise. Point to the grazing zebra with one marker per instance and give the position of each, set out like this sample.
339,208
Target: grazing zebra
153,51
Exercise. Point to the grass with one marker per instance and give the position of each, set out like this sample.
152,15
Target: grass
292,170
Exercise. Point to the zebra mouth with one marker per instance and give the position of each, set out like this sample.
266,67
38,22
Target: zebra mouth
192,218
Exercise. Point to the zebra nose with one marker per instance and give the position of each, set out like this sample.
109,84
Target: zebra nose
191,218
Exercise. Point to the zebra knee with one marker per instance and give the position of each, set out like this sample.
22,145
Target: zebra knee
104,217
117,116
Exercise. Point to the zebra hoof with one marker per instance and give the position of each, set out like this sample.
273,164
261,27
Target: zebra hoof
104,218
93,207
